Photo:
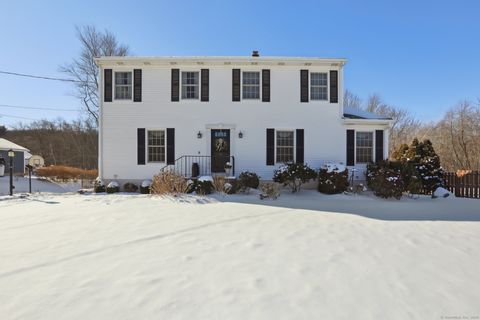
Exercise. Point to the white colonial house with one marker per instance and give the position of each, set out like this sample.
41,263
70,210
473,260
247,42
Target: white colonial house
255,113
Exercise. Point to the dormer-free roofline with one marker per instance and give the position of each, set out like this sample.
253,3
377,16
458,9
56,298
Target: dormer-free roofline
220,60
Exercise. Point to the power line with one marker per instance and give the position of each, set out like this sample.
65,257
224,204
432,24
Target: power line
10,116
37,108
42,77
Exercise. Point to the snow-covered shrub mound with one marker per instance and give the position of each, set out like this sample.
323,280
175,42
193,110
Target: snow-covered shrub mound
294,175
145,186
130,187
385,180
441,193
113,187
332,178
248,180
98,185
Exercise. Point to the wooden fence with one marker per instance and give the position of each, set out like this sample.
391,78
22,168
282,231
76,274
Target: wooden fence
466,185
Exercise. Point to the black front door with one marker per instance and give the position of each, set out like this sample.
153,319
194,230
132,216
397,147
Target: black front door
220,149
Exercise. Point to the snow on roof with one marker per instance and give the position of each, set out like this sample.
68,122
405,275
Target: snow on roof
7,145
354,113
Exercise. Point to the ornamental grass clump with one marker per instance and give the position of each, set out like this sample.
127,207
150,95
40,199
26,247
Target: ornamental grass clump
294,175
170,183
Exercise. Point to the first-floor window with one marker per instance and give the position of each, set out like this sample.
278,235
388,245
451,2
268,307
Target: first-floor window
285,146
190,85
123,85
156,146
364,152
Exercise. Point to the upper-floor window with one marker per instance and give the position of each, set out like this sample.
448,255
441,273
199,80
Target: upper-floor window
318,86
156,145
364,146
251,85
190,88
123,85
285,146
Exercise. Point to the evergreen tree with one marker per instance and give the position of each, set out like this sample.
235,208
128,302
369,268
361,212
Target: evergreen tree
420,164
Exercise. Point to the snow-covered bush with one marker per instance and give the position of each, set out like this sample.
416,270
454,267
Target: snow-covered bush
248,180
204,185
130,187
269,190
168,182
294,175
333,178
145,186
98,185
113,187
385,179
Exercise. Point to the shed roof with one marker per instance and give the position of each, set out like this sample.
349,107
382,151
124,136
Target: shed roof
7,145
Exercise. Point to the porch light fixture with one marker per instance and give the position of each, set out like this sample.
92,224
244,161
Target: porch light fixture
11,153
199,135
240,135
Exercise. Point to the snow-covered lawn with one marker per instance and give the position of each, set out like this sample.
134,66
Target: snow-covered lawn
305,256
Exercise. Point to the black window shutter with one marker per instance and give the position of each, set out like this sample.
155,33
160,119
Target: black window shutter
300,150
378,145
170,145
236,85
270,147
107,87
333,86
175,84
205,84
350,147
303,85
141,146
137,85
266,85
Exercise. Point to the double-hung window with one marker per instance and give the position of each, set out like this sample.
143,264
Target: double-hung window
285,146
364,147
123,85
156,145
251,85
318,86
190,89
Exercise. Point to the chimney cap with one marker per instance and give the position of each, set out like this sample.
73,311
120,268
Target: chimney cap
255,53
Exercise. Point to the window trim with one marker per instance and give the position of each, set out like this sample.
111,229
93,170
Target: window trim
373,146
327,86
198,84
294,131
147,145
259,85
115,85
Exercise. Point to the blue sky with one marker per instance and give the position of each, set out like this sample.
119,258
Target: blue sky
420,55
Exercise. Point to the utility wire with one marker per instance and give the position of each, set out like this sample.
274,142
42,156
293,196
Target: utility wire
42,77
9,116
37,108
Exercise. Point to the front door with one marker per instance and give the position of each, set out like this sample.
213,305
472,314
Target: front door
220,149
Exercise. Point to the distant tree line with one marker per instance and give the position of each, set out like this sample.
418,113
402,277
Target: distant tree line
59,142
456,137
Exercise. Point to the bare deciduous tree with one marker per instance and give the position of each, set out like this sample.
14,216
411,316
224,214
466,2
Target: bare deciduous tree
94,43
351,100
